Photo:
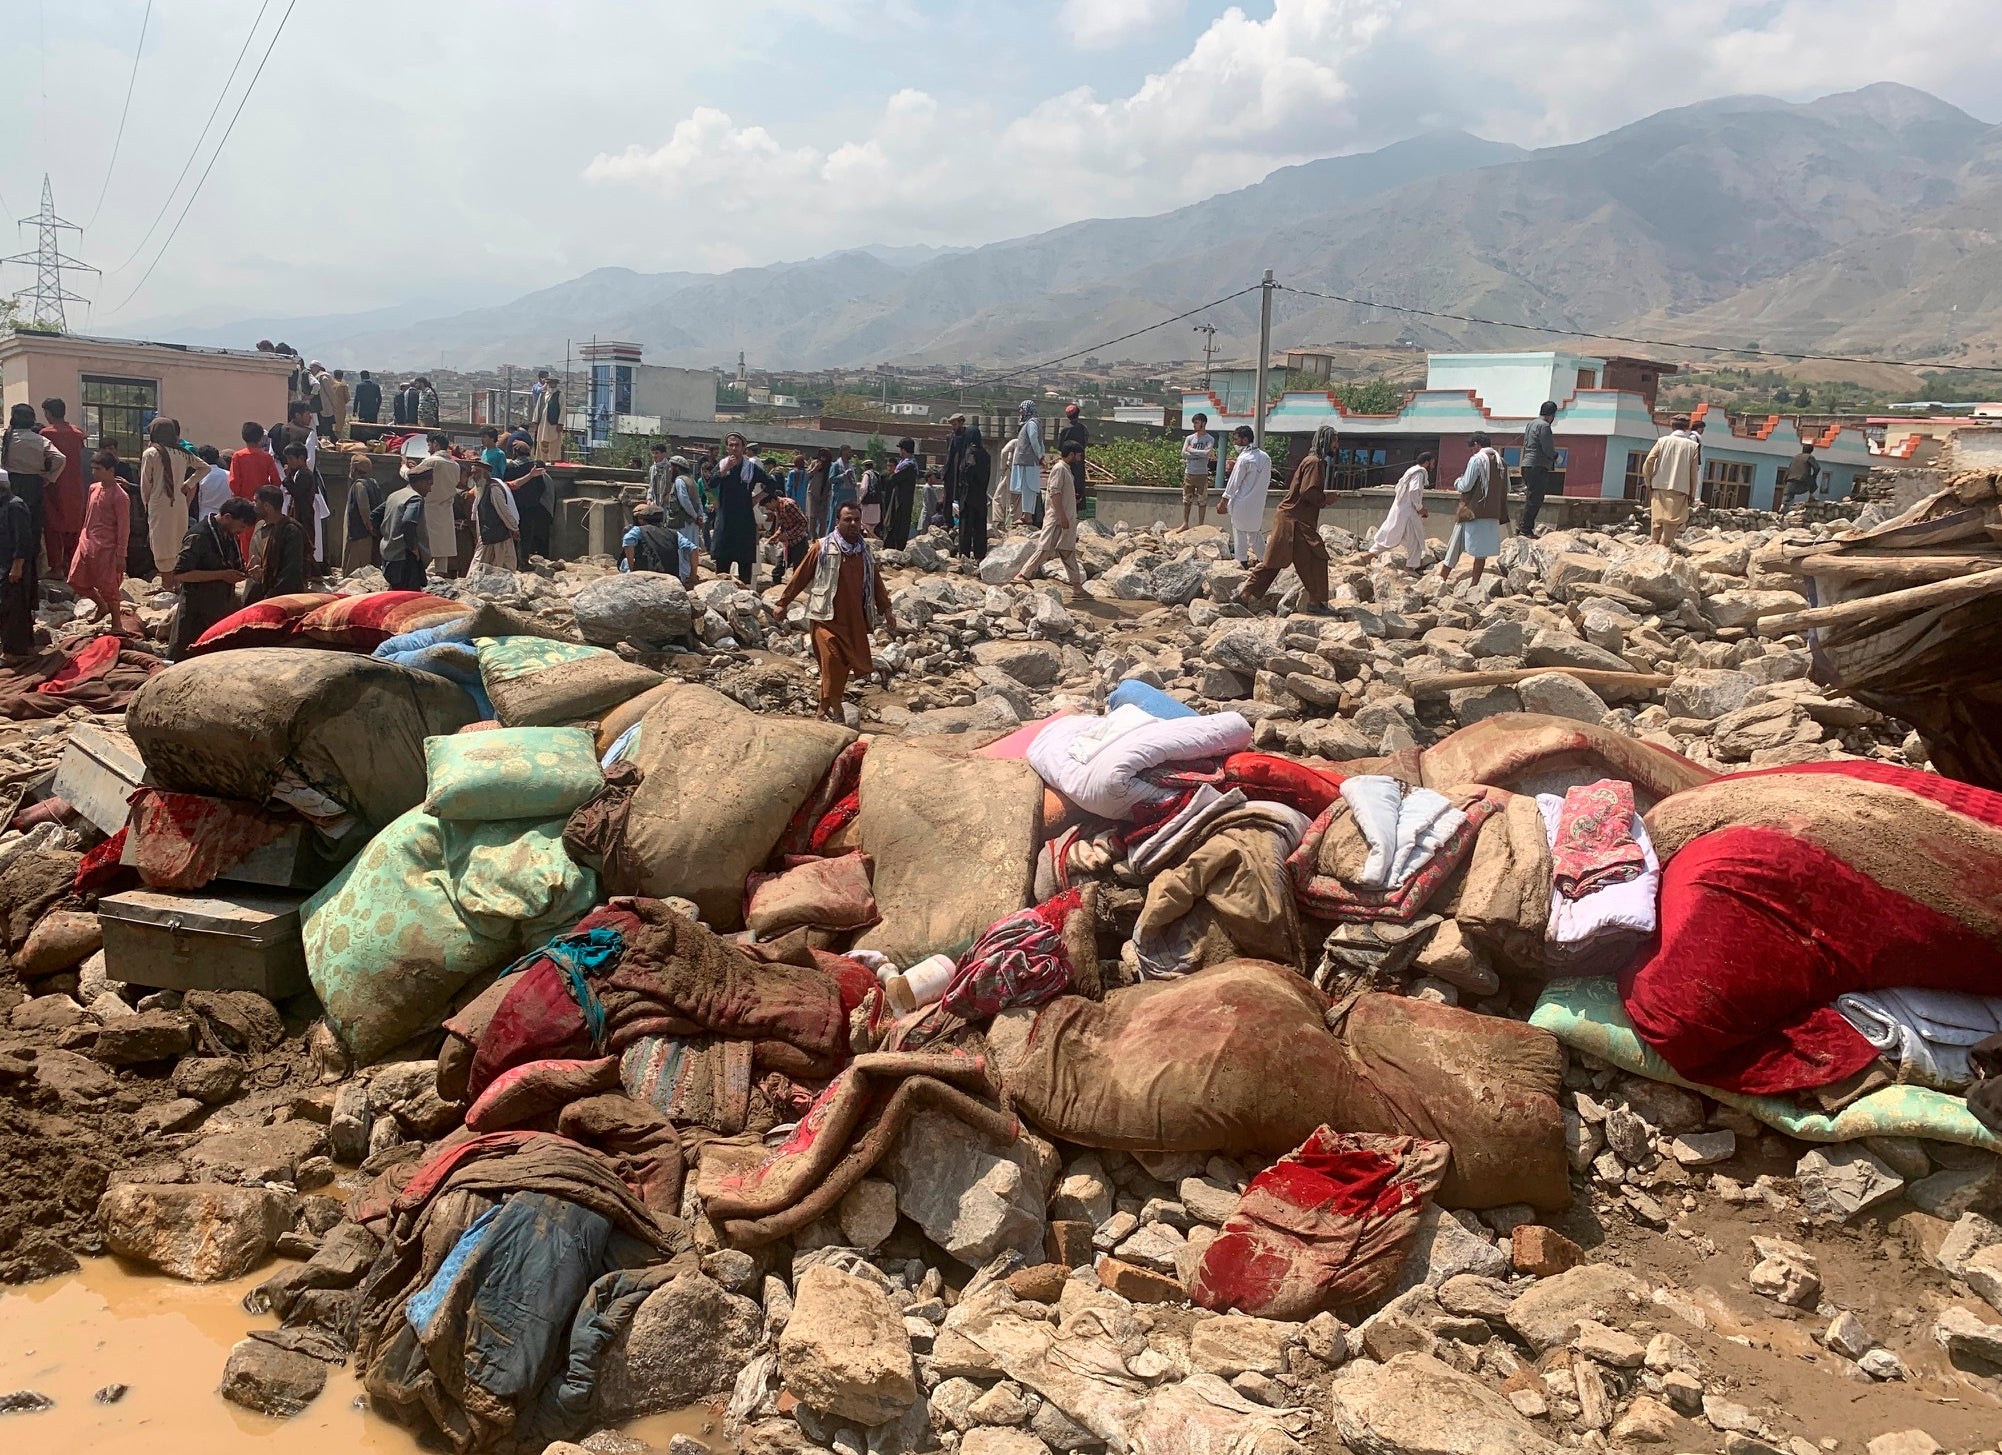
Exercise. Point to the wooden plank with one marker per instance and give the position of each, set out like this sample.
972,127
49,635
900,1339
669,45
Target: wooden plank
1895,570
1890,603
1438,684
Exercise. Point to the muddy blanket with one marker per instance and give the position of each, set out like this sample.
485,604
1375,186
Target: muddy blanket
1530,753
1241,1058
99,674
1789,888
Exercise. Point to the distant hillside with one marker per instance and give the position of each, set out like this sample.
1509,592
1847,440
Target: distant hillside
1856,222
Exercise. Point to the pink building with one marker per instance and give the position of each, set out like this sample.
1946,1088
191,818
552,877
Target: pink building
116,386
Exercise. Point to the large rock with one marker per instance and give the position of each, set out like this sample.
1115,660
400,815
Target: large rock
1744,608
1570,569
1128,582
1547,1314
686,1343
1966,1335
845,1351
1656,574
1236,1344
152,1035
1417,1405
1707,693
641,607
1030,663
1845,1180
203,1232
970,1197
1446,1248
1557,694
1005,560
1243,646
273,1381
1177,583
1471,704
1754,728
260,1154
1560,649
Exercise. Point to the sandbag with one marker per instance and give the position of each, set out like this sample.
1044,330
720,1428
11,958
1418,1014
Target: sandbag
352,728
954,840
1531,753
720,783
1237,1058
612,726
511,773
428,906
535,682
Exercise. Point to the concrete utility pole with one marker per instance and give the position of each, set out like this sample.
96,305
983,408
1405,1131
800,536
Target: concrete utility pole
1264,354
1209,348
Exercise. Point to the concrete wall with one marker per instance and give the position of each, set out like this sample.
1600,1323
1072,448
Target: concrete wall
1361,511
1511,384
674,393
210,391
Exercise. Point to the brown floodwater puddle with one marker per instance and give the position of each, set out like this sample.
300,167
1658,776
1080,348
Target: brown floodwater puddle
166,1340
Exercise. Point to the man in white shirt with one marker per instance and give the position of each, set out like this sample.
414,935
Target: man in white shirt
213,488
1198,468
440,527
1244,498
1670,473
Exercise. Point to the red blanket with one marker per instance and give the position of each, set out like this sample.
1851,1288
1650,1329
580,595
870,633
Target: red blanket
1327,1226
1784,890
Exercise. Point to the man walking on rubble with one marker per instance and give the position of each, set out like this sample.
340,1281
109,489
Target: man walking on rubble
1539,458
1059,534
1803,478
1669,472
845,601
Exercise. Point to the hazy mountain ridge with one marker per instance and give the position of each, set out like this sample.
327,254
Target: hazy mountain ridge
1856,219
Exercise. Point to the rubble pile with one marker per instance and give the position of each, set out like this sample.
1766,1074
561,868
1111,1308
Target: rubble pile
1151,1024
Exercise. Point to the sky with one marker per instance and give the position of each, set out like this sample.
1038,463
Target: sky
452,153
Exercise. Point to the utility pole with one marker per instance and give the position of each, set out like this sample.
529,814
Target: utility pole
1264,355
45,300
1209,348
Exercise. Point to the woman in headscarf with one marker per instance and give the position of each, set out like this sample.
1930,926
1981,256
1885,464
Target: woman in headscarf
1296,530
974,469
167,488
1025,472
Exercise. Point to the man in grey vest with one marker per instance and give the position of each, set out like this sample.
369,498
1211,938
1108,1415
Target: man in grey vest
845,601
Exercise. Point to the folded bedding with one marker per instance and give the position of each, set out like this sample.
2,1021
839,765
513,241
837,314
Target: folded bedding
1101,763
1927,1034
1598,933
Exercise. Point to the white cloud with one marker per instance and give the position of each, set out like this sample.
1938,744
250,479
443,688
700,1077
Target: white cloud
1102,24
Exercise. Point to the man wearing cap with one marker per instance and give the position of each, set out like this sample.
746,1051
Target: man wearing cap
1059,534
681,511
1483,490
1669,472
545,416
846,602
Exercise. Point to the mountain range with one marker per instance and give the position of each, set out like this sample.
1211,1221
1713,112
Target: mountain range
1863,222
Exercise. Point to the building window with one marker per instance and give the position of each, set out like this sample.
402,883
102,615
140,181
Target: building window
1635,488
119,409
1727,485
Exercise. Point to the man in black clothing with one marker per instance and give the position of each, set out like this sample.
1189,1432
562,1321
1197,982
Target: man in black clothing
280,548
405,404
1074,433
368,399
1539,458
901,497
534,491
974,469
1803,478
19,549
955,448
206,574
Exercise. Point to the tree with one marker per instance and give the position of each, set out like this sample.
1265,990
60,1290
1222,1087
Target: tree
1374,395
1803,399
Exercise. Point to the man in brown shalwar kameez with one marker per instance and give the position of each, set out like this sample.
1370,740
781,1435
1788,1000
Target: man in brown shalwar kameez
1296,530
845,600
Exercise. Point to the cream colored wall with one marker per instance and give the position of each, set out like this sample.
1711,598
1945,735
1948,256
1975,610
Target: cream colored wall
210,395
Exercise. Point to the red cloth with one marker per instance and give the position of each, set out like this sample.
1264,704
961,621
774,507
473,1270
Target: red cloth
184,840
250,468
528,1094
1327,1226
1595,843
538,1020
63,497
1760,932
1281,780
97,658
1981,804
103,866
831,808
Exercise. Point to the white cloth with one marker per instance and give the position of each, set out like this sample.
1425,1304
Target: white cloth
1403,829
504,505
1248,489
441,532
1927,1032
1619,912
1402,527
1121,720
212,493
1248,546
1109,783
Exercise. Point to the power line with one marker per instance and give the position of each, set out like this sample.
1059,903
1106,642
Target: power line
1651,342
196,150
1094,348
123,112
227,132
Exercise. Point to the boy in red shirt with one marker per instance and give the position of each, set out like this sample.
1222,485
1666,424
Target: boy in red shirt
252,467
